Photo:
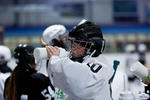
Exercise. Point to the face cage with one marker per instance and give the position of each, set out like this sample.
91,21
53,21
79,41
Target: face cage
86,44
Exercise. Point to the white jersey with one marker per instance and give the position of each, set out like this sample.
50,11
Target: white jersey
3,77
82,81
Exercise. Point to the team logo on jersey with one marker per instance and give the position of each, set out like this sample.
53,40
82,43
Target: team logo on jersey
60,95
95,67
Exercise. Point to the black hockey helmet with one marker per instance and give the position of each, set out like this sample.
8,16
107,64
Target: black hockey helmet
24,54
88,34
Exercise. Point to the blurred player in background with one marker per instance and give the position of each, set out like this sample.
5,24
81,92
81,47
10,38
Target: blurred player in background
5,71
55,35
24,83
130,50
142,53
142,59
86,75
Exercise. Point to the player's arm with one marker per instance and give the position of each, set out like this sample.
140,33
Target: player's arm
76,75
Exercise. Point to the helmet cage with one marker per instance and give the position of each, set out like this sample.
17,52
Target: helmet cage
92,47
86,44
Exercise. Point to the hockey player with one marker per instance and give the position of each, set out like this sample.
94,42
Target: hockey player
55,35
142,59
24,82
5,71
130,58
86,75
142,53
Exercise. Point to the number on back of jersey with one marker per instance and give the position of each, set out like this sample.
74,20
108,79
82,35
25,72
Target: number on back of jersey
48,93
94,67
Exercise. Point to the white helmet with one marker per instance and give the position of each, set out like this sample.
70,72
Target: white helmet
142,47
130,48
52,32
5,52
